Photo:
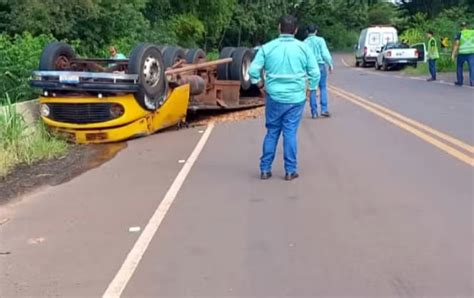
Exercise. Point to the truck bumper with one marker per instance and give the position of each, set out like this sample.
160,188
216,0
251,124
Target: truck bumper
393,61
135,122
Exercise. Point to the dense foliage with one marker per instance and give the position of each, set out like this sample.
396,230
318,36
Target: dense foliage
92,25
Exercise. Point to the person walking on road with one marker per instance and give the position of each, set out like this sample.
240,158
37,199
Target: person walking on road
287,62
320,50
433,55
464,49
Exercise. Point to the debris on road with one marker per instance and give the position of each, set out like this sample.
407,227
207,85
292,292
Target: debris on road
36,240
228,117
134,229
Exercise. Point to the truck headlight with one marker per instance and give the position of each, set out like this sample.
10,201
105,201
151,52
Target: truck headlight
116,110
44,110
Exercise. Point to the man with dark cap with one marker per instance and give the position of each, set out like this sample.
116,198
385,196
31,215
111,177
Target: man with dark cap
320,50
288,63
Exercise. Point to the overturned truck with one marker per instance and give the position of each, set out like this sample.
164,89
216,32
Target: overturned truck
108,100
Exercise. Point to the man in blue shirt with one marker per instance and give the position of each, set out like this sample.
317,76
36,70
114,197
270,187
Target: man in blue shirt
114,54
321,52
288,63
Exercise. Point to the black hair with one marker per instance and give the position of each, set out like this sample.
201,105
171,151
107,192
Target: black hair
312,28
430,32
288,24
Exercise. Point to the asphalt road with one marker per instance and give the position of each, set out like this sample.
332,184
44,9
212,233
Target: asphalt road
383,207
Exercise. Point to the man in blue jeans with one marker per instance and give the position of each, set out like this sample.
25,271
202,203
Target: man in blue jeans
320,50
464,49
288,62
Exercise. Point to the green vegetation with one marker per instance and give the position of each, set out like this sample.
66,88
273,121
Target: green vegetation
20,144
92,25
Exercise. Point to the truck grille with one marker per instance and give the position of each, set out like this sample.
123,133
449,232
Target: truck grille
80,113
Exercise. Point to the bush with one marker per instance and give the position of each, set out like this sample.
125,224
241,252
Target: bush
19,57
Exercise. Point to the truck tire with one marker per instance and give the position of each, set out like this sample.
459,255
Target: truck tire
57,56
223,69
147,62
384,65
241,60
163,48
195,56
171,55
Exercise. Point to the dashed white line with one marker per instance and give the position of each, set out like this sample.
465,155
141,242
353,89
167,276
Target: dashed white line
130,264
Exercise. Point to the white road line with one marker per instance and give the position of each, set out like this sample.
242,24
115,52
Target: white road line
344,62
130,264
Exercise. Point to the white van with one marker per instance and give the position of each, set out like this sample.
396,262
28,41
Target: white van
371,40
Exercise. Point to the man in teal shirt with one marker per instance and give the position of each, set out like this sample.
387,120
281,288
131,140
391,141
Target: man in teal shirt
321,52
288,63
115,55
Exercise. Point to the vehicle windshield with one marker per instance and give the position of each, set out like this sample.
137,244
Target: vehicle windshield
397,45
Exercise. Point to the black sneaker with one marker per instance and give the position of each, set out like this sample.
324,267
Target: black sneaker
458,84
430,80
289,177
325,114
265,175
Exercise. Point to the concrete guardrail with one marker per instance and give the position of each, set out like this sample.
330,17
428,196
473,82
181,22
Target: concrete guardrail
29,110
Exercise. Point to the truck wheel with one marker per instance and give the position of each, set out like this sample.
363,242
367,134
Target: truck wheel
357,63
384,65
239,68
163,48
223,69
57,56
171,55
147,62
195,56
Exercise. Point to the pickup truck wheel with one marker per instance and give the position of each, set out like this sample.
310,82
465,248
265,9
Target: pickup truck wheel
223,69
384,65
357,63
239,68
195,56
57,56
147,62
171,55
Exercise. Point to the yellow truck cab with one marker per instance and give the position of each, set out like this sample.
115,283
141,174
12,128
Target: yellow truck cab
104,100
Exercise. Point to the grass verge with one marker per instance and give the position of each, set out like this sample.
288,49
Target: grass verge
23,144
443,64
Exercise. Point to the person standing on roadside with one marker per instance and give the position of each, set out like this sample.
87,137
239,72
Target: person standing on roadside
288,63
320,50
433,55
464,50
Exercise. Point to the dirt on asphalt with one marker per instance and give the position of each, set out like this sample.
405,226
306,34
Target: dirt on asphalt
79,159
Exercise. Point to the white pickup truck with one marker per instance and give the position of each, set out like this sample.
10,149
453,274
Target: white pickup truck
396,55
